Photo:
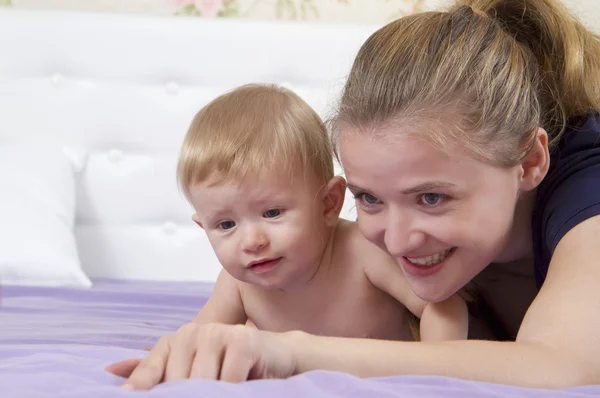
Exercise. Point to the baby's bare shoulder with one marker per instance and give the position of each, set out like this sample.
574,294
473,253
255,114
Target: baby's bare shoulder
350,240
378,266
353,248
262,306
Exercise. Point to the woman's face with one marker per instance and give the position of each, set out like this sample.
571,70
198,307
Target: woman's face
443,216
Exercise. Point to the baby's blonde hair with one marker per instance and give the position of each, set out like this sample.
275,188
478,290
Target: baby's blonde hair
253,129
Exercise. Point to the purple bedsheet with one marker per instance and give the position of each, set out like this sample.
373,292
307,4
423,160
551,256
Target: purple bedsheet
56,342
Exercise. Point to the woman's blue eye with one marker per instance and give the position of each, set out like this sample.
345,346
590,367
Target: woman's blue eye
226,225
272,213
370,199
432,199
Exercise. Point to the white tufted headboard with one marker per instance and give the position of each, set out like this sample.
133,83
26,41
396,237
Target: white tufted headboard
124,89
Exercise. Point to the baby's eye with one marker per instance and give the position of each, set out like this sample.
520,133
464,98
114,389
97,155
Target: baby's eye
432,199
272,213
225,225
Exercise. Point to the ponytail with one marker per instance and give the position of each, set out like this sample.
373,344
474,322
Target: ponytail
499,68
567,55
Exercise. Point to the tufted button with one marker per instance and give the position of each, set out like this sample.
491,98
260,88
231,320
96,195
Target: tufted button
169,228
115,156
172,88
57,79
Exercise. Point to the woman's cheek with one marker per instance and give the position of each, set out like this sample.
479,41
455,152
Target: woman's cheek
371,229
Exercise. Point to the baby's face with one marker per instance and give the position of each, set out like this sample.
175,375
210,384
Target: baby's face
268,231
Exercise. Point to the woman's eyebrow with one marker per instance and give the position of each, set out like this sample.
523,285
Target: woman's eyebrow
428,186
424,187
354,188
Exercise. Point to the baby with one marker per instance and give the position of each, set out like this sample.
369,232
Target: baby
257,166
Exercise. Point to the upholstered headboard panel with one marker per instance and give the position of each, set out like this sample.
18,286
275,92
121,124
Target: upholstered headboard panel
121,90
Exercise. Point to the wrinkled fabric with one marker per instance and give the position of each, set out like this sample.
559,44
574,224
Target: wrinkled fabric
56,342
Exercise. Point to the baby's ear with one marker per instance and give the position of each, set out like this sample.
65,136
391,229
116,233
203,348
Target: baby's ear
333,199
197,220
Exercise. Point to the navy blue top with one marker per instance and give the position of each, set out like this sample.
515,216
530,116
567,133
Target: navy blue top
570,193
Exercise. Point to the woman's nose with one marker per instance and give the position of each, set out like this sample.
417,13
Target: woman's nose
400,237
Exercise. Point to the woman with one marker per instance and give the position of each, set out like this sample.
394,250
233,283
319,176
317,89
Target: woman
471,141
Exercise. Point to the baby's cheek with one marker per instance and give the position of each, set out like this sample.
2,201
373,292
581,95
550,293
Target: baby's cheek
225,252
296,238
291,236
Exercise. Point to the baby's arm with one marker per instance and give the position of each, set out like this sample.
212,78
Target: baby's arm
446,320
225,303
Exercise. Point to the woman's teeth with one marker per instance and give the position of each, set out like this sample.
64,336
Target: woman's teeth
433,259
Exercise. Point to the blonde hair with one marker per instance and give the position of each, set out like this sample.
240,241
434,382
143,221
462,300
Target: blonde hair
253,129
499,68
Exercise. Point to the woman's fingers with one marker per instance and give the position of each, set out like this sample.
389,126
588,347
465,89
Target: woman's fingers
150,370
223,353
215,351
209,354
238,361
182,353
123,368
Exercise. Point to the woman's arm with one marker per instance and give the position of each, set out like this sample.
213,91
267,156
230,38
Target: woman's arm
558,344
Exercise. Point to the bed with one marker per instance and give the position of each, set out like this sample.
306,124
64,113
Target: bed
55,342
98,253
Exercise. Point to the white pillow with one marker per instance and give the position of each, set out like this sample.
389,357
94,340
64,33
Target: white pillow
37,215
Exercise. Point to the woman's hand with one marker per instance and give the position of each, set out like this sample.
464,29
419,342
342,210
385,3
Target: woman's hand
232,353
